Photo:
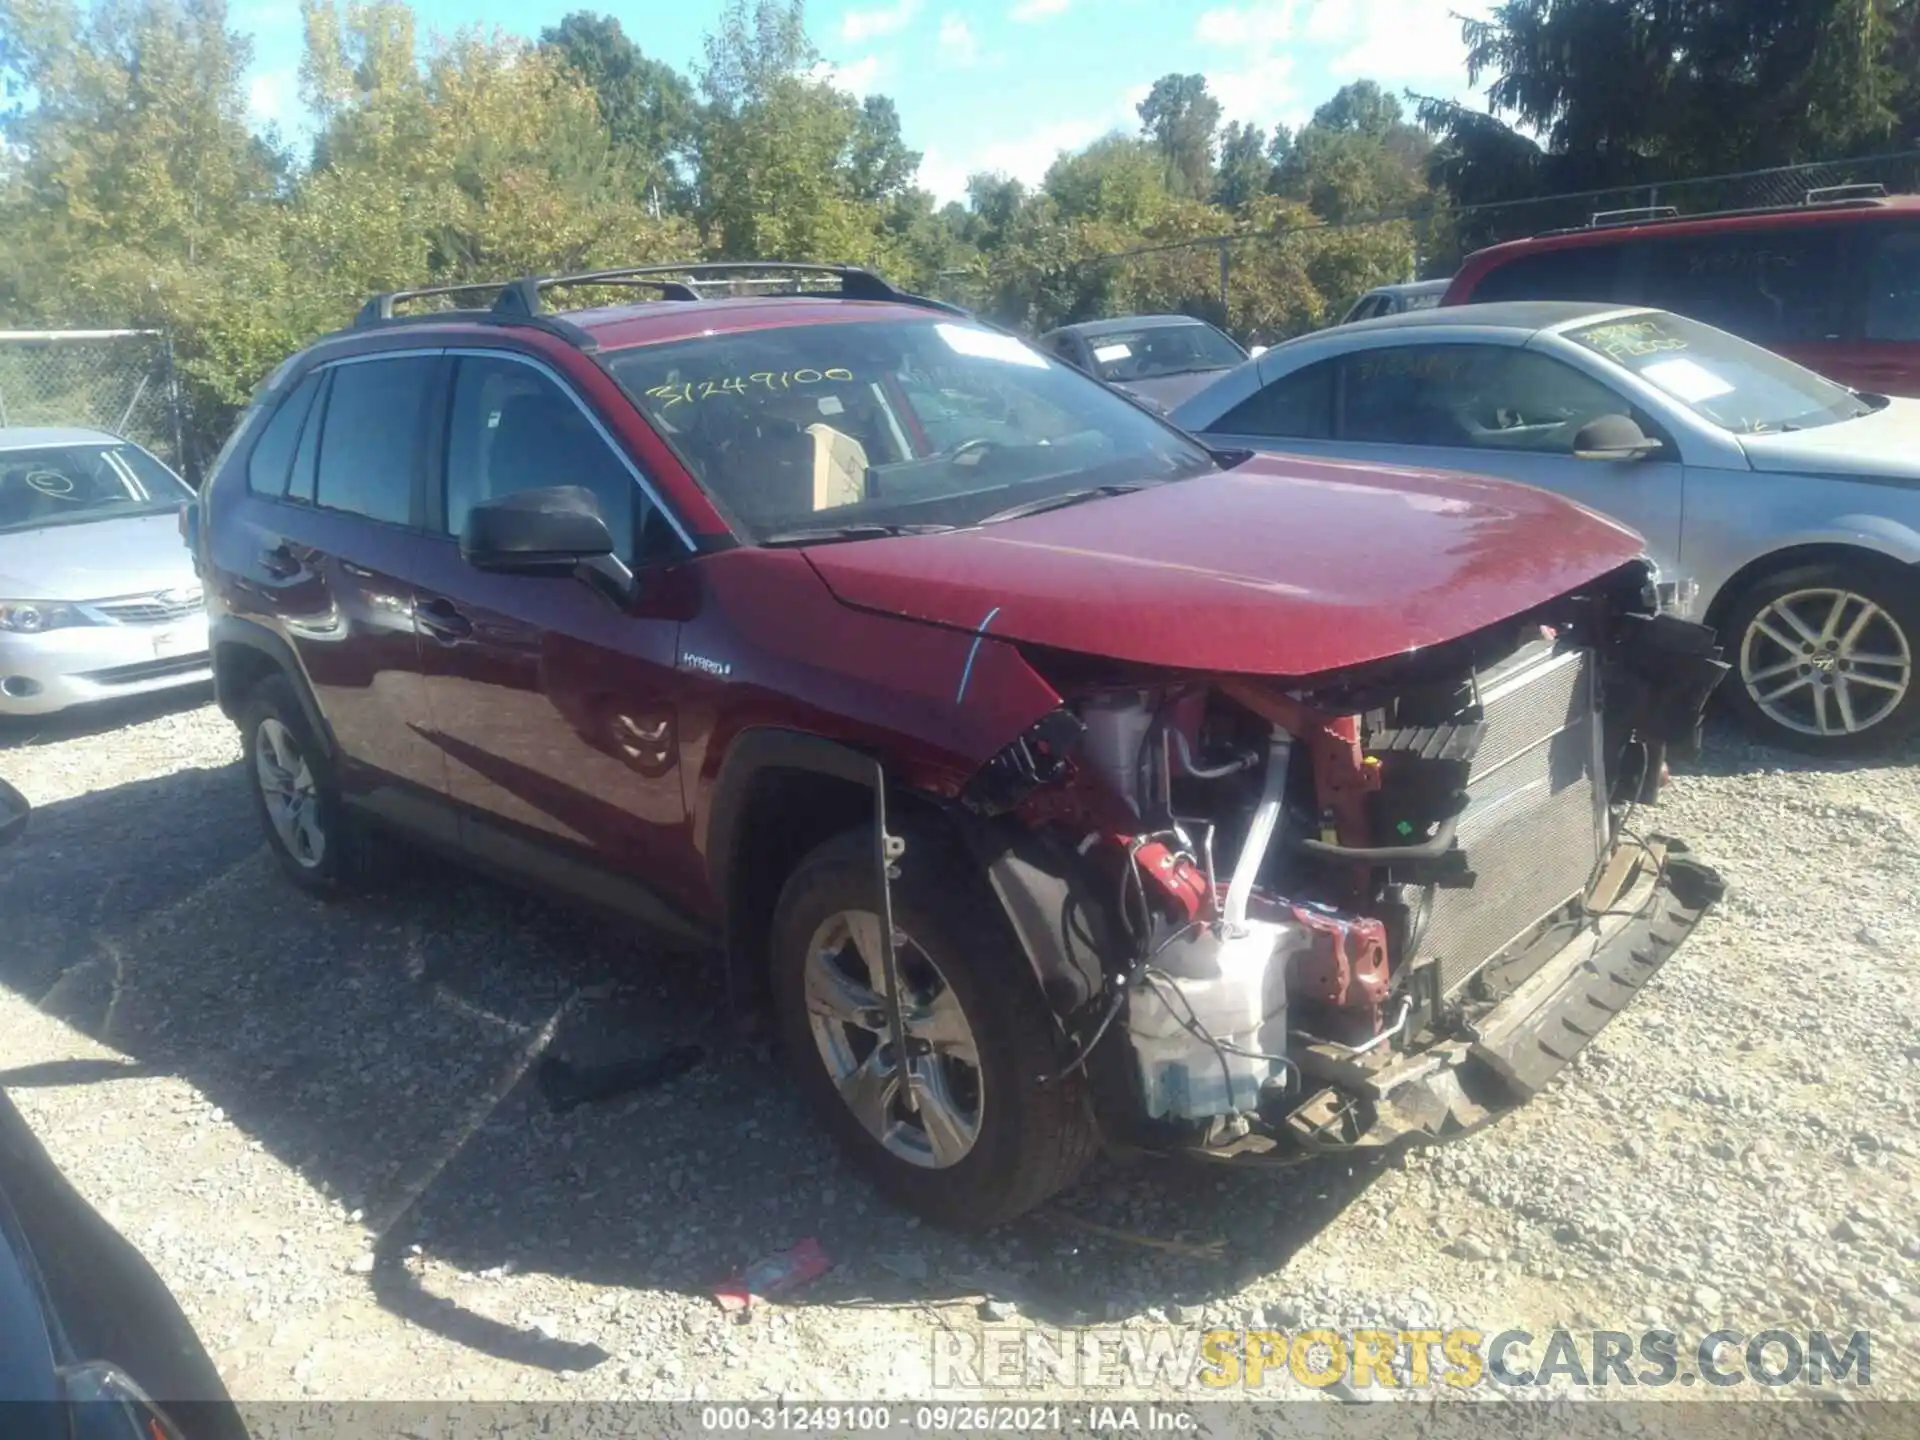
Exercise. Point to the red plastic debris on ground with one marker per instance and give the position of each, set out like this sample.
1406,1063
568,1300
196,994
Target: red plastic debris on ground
774,1274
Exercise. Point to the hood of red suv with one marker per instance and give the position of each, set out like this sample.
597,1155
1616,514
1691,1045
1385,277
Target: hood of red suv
1280,566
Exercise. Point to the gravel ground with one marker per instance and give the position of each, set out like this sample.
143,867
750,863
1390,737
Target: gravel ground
318,1123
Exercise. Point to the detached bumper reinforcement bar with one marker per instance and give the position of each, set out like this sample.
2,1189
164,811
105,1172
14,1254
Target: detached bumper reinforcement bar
1459,1085
1531,1035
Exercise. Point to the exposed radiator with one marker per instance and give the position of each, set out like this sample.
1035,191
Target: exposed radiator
1535,823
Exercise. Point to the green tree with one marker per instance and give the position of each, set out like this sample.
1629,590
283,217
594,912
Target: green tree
1244,169
1116,178
1179,116
1631,90
775,179
648,106
880,162
1357,157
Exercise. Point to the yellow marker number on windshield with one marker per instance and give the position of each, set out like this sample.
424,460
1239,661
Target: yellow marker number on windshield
683,392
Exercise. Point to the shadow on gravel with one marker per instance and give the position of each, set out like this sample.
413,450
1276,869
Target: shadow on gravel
384,1047
1729,750
20,731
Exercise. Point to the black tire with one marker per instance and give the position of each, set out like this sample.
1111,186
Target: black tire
1033,1138
1883,719
339,864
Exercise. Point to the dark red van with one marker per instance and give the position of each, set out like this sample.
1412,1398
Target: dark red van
1833,283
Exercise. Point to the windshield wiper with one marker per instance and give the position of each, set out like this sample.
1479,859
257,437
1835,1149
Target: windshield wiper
1058,502
866,530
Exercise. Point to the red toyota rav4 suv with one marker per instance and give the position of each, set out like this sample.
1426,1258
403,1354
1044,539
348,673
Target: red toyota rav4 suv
1040,776
1833,283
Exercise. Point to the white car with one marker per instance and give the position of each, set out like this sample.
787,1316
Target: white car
98,598
1792,503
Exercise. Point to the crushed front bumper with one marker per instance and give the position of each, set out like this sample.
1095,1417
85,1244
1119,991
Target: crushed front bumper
1578,976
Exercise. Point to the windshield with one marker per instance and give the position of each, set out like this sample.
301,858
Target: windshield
1731,382
1123,355
69,484
864,425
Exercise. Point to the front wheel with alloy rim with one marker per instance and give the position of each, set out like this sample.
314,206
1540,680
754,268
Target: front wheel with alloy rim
294,791
1824,658
973,1125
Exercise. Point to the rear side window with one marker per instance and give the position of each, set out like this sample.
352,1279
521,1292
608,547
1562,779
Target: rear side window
1893,287
370,437
1768,285
272,457
1297,407
1577,272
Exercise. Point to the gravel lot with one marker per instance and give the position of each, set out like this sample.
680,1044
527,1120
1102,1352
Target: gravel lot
318,1123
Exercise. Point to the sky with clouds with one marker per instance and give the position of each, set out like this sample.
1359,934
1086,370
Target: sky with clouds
1003,84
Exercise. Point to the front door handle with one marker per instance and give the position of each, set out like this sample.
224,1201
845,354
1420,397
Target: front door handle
279,562
440,619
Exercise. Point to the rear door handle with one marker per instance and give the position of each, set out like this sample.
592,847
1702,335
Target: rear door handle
279,562
442,621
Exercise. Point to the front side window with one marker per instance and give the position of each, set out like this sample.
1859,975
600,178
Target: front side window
1482,397
1120,356
74,484
887,423
1294,407
370,437
1893,287
1720,377
512,429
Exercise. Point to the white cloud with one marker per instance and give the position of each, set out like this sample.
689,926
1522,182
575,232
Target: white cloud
859,25
270,96
1259,94
857,77
1026,158
1030,10
1390,40
1267,22
957,41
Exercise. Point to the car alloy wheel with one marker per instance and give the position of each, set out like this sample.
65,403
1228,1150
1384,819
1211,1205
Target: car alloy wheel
933,1120
1825,662
291,796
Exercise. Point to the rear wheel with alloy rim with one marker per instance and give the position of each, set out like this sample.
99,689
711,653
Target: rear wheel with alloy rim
294,790
1824,658
973,1125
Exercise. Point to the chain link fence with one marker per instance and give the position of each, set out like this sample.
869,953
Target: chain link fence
121,381
1264,288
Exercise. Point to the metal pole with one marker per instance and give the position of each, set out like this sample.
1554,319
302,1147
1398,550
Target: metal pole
173,408
1226,263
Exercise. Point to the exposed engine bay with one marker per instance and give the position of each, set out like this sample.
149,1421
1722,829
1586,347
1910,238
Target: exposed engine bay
1306,916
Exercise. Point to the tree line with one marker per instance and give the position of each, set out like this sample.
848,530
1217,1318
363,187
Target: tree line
135,189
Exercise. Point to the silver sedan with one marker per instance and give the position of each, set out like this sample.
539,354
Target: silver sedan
1792,503
98,598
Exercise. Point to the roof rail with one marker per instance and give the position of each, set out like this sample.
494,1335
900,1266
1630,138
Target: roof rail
1633,216
1831,194
522,300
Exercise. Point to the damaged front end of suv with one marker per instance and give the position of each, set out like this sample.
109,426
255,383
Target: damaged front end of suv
1285,916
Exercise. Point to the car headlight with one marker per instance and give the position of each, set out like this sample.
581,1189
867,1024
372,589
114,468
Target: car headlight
30,617
105,1404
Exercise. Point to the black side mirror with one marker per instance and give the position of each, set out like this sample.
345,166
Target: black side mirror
549,531
14,811
1613,437
554,531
